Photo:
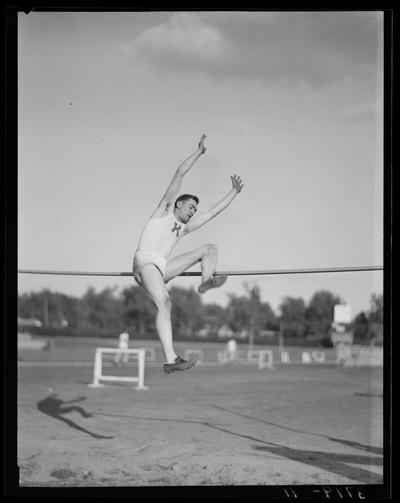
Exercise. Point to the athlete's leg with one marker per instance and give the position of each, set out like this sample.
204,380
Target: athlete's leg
207,255
154,286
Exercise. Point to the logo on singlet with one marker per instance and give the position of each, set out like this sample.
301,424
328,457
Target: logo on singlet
176,228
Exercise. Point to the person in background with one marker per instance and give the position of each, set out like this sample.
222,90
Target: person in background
231,349
123,343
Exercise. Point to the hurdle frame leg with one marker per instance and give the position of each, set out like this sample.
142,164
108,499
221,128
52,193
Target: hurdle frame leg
97,370
141,360
270,364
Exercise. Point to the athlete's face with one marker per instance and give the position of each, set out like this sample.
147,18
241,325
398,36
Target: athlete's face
187,209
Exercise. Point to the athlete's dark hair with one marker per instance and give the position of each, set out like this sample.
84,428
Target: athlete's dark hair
184,197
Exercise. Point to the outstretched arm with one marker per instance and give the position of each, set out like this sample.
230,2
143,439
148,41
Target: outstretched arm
175,185
198,221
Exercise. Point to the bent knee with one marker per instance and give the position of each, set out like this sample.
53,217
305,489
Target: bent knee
163,303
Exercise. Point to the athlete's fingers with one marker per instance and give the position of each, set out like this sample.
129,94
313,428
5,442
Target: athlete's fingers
237,182
236,179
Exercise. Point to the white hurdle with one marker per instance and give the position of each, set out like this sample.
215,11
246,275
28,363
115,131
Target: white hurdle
285,357
265,359
98,376
318,356
306,357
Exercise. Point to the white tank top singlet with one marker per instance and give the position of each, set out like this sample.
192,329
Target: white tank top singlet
161,235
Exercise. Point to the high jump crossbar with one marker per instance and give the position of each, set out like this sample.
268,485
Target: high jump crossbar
217,273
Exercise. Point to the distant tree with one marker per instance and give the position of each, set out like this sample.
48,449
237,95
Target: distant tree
32,305
293,317
320,312
375,318
187,311
361,327
238,312
51,308
100,310
63,309
249,313
214,316
138,312
375,314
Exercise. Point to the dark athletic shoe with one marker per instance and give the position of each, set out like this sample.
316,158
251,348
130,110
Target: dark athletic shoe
180,364
213,282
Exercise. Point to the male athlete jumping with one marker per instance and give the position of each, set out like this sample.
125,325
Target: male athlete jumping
174,218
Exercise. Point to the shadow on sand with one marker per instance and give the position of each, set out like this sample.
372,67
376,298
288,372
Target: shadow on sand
53,406
347,443
333,462
341,464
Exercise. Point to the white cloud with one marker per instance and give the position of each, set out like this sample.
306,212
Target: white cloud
183,36
285,47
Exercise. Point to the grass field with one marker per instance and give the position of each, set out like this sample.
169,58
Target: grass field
228,424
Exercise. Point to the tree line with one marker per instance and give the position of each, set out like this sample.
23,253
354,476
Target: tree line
109,312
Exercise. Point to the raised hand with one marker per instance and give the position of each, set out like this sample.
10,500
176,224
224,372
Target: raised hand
202,149
237,183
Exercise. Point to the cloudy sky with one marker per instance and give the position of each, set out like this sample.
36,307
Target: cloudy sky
111,103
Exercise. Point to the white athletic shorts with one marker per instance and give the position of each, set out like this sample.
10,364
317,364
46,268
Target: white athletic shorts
144,257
